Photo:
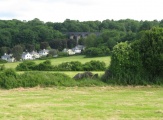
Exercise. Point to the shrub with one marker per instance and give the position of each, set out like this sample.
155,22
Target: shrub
94,52
76,66
26,66
8,79
94,65
66,66
70,66
45,66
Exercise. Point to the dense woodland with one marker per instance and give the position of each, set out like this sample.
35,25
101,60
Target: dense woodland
36,35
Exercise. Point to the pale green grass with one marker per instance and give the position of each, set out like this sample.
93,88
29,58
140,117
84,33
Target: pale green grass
57,61
82,103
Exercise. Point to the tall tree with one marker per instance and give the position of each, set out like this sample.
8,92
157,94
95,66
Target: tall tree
17,52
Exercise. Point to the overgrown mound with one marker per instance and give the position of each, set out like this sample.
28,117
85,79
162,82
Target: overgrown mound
10,79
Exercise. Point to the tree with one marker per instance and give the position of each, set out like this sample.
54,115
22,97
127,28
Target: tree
4,50
17,52
30,47
90,40
151,50
146,25
44,45
53,52
126,65
5,38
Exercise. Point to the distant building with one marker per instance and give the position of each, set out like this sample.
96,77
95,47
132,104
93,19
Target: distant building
35,55
78,49
78,35
27,56
8,57
43,52
70,52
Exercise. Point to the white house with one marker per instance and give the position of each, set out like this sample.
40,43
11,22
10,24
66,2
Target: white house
27,56
8,57
43,52
35,54
70,52
77,49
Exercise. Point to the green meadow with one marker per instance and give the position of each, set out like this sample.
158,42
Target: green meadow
82,103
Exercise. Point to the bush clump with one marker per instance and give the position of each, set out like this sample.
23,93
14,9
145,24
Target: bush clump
10,79
26,66
94,65
95,52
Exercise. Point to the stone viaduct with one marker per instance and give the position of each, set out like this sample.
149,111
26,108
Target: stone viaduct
78,35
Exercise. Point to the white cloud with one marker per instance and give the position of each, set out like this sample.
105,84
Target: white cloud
83,10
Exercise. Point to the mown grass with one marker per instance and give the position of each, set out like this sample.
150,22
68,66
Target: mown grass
56,61
82,103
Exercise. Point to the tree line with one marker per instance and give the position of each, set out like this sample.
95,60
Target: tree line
35,34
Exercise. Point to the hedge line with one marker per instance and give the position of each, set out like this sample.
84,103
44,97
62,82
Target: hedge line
66,66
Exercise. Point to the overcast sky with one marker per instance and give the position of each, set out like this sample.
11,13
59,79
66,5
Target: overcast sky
82,10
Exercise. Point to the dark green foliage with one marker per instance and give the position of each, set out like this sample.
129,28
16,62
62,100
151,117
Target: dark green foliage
45,66
4,50
126,65
139,62
70,66
76,66
26,66
10,73
95,52
8,79
44,45
30,79
66,66
94,65
35,32
17,52
151,50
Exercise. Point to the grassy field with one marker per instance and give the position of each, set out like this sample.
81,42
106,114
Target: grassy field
57,61
82,103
